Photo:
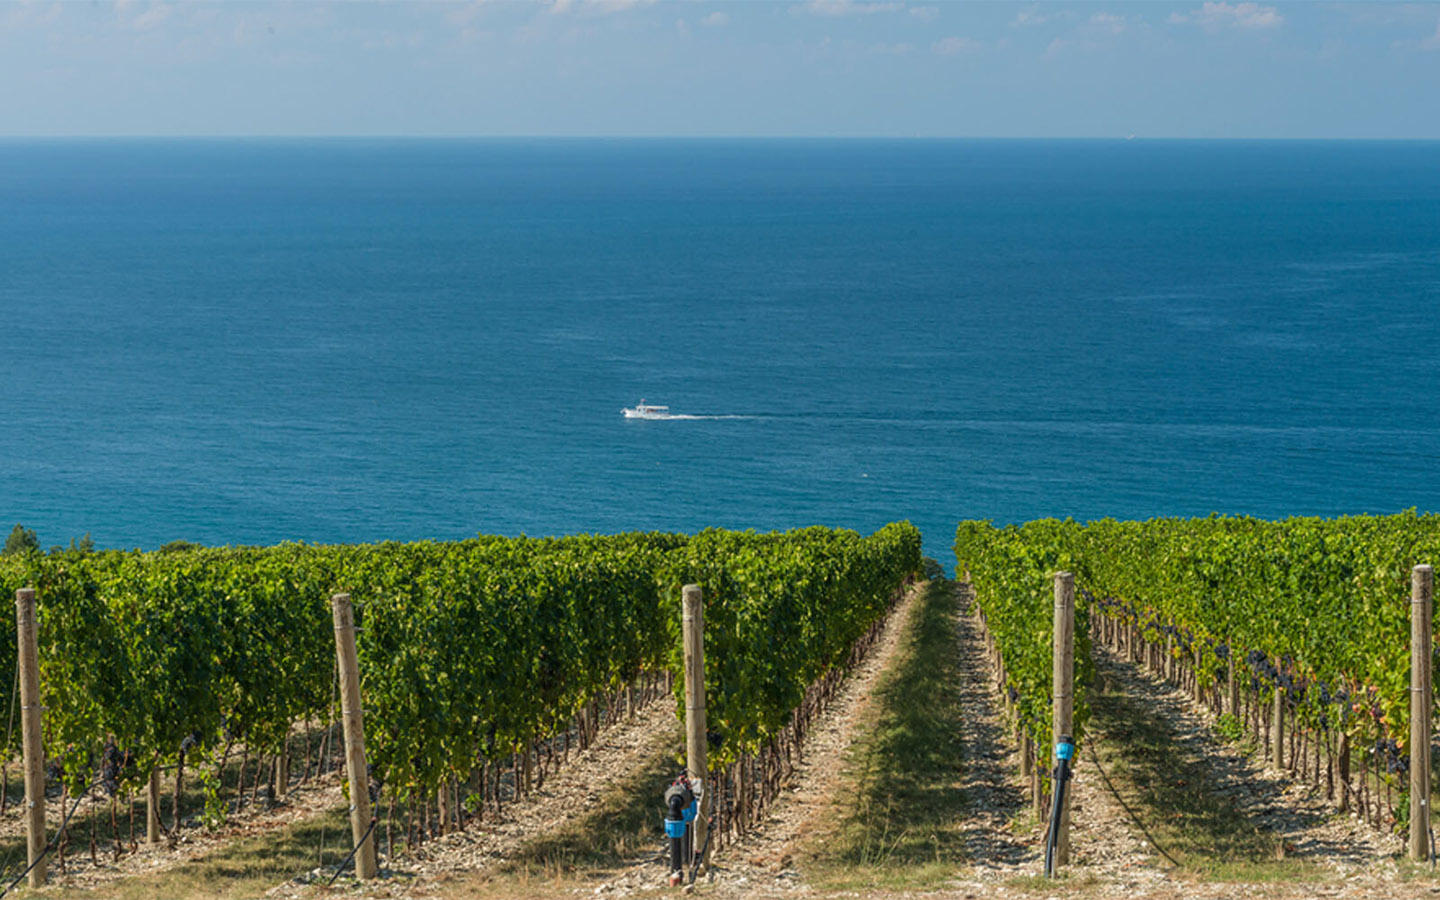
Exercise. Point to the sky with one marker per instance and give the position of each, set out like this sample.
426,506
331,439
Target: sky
813,68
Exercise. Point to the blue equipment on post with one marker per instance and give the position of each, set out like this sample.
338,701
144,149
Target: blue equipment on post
681,807
1064,752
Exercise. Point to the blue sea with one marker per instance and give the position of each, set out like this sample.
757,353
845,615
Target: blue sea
252,341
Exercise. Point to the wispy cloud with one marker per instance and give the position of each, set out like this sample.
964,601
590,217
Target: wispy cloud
1433,41
1230,15
129,13
464,13
600,6
715,20
952,46
1108,22
924,12
848,7
15,16
1032,15
1427,44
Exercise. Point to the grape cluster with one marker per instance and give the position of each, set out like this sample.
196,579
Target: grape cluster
1396,762
1112,606
115,766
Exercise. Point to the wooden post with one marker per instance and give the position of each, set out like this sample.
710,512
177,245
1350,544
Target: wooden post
152,807
282,771
1422,585
1037,794
1277,729
1342,764
1233,698
34,748
442,806
1063,693
693,622
1196,692
353,722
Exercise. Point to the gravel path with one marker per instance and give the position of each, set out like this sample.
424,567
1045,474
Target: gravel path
1293,812
764,862
993,794
570,793
304,801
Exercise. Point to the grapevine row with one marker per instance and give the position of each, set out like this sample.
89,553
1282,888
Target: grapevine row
1312,611
1012,572
469,650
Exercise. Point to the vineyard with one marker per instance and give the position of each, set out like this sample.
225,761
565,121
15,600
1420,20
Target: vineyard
195,684
477,656
1295,631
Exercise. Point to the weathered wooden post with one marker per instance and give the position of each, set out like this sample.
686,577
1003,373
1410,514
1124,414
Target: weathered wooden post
1232,699
693,622
1037,793
442,806
1063,693
353,722
1277,729
1422,586
152,807
1342,766
31,736
1196,692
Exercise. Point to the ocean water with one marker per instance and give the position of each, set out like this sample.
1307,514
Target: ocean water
254,341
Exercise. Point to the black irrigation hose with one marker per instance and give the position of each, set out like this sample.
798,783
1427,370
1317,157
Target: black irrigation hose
346,861
50,845
1064,752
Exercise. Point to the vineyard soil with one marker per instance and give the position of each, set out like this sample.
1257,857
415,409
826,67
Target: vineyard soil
1234,814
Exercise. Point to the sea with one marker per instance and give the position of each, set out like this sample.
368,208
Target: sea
253,341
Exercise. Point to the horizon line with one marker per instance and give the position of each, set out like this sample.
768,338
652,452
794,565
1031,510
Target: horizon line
437,136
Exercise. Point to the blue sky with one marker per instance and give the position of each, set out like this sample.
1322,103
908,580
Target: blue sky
808,67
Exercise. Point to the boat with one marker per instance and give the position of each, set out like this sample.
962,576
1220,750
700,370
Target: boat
643,410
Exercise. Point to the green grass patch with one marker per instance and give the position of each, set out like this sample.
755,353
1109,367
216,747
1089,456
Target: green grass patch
903,812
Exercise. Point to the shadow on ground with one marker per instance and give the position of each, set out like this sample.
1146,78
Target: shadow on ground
622,830
1195,805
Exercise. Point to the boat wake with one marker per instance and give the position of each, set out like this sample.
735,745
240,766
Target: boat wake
663,414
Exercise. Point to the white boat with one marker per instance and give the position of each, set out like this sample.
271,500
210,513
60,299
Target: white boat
642,410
